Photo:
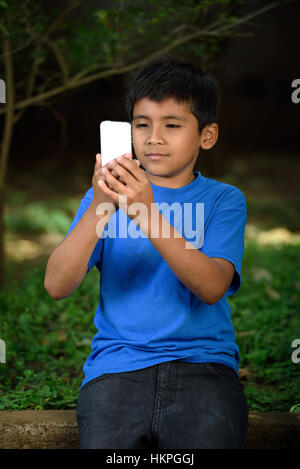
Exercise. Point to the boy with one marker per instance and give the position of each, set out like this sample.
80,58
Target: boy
163,372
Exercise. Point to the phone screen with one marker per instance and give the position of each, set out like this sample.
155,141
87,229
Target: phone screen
115,140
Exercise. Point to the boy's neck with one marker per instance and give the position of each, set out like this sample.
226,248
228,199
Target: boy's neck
171,183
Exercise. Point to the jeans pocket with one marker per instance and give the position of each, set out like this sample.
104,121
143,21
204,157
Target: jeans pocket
94,381
88,394
226,375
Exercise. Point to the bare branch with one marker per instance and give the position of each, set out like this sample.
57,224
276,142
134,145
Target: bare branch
73,83
238,35
52,46
60,59
47,80
248,17
87,70
179,29
14,51
9,111
61,17
55,49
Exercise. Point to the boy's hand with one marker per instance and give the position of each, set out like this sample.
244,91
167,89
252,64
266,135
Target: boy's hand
131,181
99,195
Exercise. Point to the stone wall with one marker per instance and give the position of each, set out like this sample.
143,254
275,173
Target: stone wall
53,429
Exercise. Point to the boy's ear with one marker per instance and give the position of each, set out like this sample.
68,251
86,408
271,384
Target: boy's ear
209,136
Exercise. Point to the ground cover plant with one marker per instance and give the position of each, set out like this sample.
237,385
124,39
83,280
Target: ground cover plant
47,341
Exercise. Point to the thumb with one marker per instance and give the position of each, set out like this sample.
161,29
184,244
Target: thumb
99,160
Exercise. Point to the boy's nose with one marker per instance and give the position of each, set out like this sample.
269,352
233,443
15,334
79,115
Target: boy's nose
155,137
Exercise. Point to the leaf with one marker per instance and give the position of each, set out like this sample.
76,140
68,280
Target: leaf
295,408
3,29
101,14
260,273
273,294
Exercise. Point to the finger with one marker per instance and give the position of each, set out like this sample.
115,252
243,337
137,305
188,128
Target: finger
115,183
98,171
104,178
99,160
106,189
126,155
115,174
133,169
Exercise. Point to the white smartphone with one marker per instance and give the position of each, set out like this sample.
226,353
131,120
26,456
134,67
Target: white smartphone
115,140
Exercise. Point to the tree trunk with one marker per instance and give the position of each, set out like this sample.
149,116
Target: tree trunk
6,144
2,256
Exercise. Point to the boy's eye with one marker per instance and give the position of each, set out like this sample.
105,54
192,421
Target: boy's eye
172,126
141,125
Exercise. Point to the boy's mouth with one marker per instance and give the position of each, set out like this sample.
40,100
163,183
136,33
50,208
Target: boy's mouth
155,156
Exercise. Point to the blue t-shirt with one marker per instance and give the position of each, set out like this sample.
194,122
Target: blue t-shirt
145,314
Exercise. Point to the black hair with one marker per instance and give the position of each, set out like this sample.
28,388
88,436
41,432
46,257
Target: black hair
184,81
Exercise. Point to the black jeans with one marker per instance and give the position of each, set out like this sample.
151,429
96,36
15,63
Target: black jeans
172,405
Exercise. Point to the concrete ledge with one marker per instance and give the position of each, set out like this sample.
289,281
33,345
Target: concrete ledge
38,429
57,429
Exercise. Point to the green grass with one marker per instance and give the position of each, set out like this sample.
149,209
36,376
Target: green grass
48,341
53,216
265,212
265,314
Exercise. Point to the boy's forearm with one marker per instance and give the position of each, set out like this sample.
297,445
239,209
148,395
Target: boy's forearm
198,272
68,263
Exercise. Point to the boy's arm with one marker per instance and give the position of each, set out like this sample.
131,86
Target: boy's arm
68,263
208,278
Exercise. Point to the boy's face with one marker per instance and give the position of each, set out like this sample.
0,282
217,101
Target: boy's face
169,129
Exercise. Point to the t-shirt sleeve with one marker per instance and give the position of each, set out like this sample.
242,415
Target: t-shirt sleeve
224,232
84,204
